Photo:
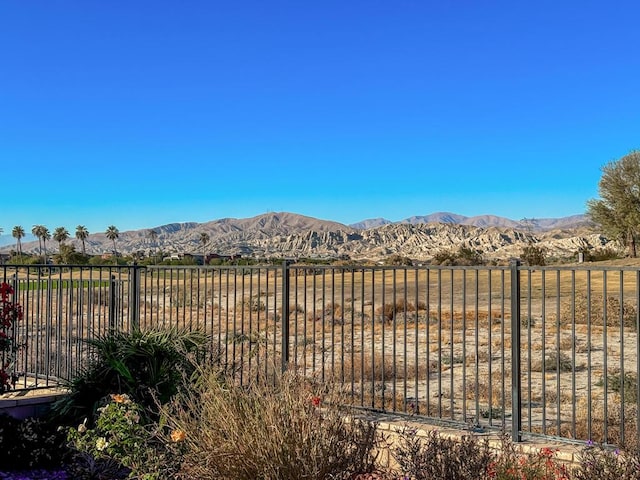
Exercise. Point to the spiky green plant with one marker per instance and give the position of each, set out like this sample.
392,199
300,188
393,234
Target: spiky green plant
149,365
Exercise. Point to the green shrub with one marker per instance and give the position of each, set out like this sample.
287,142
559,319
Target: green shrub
151,366
616,382
600,254
398,260
123,443
533,255
464,256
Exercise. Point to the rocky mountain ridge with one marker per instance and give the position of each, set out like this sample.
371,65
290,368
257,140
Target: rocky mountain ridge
291,235
536,224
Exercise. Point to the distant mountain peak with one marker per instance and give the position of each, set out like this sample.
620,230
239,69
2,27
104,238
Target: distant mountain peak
485,221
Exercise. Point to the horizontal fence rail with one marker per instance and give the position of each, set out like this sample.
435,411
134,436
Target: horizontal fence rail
549,351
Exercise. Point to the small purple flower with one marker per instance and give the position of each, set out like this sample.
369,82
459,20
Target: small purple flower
590,443
617,451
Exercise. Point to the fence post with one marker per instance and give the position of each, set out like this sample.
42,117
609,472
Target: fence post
112,303
134,297
285,314
516,380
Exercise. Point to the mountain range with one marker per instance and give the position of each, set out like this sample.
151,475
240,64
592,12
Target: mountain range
536,224
294,235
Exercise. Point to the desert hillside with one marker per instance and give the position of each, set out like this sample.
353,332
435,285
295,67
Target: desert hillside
293,235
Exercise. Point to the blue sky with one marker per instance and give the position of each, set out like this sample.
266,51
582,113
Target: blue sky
141,113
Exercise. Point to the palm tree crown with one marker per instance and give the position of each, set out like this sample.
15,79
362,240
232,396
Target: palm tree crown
43,235
81,234
18,234
112,234
204,239
60,235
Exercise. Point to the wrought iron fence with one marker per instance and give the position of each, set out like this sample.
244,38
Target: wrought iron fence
551,351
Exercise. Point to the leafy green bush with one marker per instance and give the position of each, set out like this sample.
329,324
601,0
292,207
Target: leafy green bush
123,443
151,366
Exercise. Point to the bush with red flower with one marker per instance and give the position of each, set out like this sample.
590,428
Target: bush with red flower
10,314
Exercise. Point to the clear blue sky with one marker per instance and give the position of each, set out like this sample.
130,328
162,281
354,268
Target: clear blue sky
139,113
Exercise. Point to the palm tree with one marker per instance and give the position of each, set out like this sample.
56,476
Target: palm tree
153,236
18,234
60,235
43,235
204,239
112,234
81,234
36,231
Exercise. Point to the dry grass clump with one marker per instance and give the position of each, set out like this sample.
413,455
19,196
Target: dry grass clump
389,311
597,309
276,430
553,362
332,312
612,420
379,367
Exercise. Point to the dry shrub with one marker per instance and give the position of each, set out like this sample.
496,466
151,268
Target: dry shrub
285,429
613,423
483,390
438,457
553,362
602,463
332,312
389,311
370,368
596,307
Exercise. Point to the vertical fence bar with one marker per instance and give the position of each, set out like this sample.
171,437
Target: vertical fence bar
112,302
285,314
516,383
134,297
605,369
622,371
637,340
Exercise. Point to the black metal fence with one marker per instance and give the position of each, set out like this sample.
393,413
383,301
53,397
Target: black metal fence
551,351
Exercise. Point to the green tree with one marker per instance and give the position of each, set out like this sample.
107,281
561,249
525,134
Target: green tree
60,235
18,234
68,255
112,234
81,234
617,210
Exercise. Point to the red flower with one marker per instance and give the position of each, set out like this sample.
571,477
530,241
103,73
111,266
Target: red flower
5,291
316,401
